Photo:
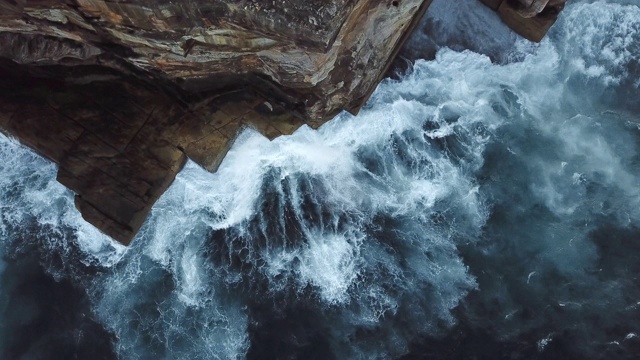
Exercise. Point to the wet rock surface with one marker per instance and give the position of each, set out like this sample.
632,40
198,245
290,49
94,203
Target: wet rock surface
531,19
121,93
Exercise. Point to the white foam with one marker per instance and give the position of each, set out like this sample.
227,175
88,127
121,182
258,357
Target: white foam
331,264
367,214
602,40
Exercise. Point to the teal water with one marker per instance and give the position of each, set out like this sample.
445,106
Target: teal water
485,204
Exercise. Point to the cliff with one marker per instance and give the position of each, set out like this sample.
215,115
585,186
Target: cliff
120,93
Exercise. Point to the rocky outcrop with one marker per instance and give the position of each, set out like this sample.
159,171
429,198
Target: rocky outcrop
532,19
120,93
326,55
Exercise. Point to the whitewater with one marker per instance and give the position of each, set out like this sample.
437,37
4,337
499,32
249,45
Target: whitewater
485,203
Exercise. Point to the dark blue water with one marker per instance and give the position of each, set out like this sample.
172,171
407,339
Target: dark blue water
485,205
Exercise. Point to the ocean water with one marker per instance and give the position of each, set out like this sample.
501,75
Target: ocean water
485,204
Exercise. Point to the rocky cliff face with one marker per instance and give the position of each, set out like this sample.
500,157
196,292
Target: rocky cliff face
120,92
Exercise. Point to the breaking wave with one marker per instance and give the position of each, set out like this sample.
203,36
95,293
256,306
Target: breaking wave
487,200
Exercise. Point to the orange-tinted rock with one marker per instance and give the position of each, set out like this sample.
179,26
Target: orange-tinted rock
120,93
531,19
321,53
532,23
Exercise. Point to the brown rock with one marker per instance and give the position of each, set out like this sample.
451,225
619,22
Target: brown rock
120,93
531,19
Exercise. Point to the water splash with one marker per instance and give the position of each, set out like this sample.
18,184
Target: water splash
501,197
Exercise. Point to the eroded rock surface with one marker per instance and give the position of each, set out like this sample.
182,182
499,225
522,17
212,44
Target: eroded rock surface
327,55
532,19
120,93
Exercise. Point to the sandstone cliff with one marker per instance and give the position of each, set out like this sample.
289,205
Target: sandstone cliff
120,92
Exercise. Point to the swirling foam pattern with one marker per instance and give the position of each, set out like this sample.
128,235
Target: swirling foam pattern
496,199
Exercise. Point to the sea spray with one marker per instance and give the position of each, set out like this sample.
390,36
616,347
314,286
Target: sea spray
487,200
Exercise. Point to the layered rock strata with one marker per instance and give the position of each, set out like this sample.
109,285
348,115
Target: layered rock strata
119,93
